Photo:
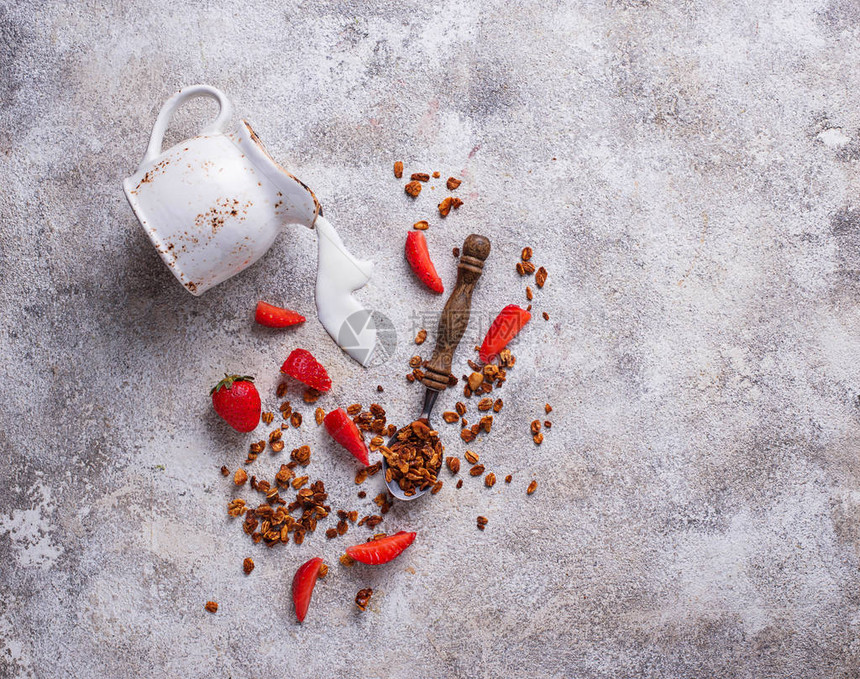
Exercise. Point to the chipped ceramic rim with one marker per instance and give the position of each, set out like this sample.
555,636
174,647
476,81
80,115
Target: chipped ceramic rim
274,171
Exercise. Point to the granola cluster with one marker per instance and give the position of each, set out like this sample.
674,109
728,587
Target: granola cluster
362,599
414,459
273,521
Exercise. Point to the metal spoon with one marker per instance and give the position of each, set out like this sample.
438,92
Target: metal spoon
452,326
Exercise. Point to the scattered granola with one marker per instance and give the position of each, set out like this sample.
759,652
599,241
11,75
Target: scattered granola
448,204
319,416
526,254
532,488
509,478
240,477
248,565
471,457
296,419
490,480
254,450
545,316
477,470
540,277
284,475
413,188
449,416
475,380
363,598
482,522
398,169
525,268
453,183
302,455
453,464
459,484
445,206
421,336
211,606
420,177
224,471
436,175
421,225
529,294
455,252
267,417
236,507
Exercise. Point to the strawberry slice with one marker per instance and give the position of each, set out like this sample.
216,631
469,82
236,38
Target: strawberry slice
506,326
301,365
275,317
343,430
303,585
418,257
382,550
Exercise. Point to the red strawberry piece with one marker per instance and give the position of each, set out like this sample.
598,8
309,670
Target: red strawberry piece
343,430
418,257
237,401
506,326
275,317
383,550
303,585
301,365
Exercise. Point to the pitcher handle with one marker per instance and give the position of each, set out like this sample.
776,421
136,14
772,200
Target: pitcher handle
225,111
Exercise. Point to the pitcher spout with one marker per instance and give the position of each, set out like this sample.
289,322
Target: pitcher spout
292,199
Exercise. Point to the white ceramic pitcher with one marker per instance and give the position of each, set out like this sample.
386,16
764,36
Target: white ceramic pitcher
213,204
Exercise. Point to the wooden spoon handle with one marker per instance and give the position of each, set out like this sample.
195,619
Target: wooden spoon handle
455,315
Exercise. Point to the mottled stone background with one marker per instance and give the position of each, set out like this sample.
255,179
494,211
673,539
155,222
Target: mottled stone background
687,172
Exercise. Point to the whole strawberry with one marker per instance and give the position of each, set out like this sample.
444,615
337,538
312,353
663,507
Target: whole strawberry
237,401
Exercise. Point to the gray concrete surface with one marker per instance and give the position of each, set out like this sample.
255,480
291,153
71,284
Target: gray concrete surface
687,172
